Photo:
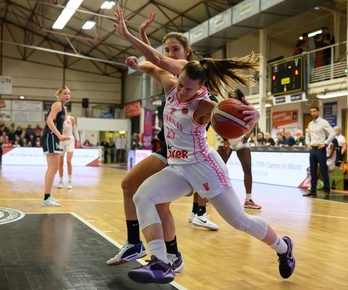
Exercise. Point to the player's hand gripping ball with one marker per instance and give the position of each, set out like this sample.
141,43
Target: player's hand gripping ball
227,119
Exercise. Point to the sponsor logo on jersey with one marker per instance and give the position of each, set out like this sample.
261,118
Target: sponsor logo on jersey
178,154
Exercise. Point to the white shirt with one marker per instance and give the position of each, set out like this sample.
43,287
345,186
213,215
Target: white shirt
319,132
341,139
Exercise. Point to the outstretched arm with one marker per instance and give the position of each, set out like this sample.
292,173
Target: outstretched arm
166,79
145,25
174,66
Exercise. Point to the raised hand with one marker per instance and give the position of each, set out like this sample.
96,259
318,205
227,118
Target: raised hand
121,26
146,24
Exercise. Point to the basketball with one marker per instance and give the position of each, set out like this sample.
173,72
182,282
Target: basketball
227,119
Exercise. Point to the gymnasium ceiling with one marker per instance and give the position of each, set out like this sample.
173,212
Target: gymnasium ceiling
28,25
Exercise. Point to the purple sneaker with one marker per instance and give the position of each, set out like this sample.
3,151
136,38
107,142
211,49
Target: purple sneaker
287,260
156,271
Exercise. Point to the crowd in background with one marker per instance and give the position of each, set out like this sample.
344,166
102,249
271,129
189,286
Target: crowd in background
16,136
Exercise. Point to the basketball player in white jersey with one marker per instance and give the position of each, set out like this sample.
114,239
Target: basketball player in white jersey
68,147
191,162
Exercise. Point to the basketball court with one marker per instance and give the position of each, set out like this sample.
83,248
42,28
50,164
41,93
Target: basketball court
67,247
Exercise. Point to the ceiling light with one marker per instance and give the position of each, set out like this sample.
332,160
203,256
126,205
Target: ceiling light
88,25
107,5
66,14
21,97
332,95
311,34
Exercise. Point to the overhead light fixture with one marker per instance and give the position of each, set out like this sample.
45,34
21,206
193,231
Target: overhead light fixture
328,95
107,5
66,14
88,25
311,34
21,97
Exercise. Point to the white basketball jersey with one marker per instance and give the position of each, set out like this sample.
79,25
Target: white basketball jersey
67,128
186,142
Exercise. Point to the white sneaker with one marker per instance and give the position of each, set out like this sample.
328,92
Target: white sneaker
191,216
60,185
69,186
49,202
127,253
55,200
203,221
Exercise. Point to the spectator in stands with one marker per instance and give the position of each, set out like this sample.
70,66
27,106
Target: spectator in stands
28,131
309,47
37,131
261,141
279,139
252,140
6,143
11,133
300,47
87,143
269,140
15,143
342,145
19,131
326,39
300,139
289,140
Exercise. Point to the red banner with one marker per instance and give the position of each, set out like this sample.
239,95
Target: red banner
284,118
132,109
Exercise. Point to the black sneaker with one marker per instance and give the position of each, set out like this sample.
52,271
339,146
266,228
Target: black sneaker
287,260
156,271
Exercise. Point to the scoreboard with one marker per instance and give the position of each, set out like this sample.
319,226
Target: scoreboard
287,76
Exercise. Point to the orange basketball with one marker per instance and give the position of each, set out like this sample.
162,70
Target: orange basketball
227,119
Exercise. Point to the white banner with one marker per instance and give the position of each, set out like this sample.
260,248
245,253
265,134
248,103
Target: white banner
279,168
27,106
35,156
5,85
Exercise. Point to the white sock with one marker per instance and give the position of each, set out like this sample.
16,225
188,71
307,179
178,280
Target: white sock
248,196
279,245
69,178
158,249
61,179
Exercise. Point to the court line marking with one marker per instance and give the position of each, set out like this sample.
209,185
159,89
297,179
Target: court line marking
118,245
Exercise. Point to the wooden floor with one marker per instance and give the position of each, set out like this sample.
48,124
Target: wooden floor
213,260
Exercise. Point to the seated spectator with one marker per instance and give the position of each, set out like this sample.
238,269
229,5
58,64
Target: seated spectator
16,144
29,144
300,139
261,141
19,131
288,140
269,140
252,140
6,143
279,139
87,144
28,131
37,131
